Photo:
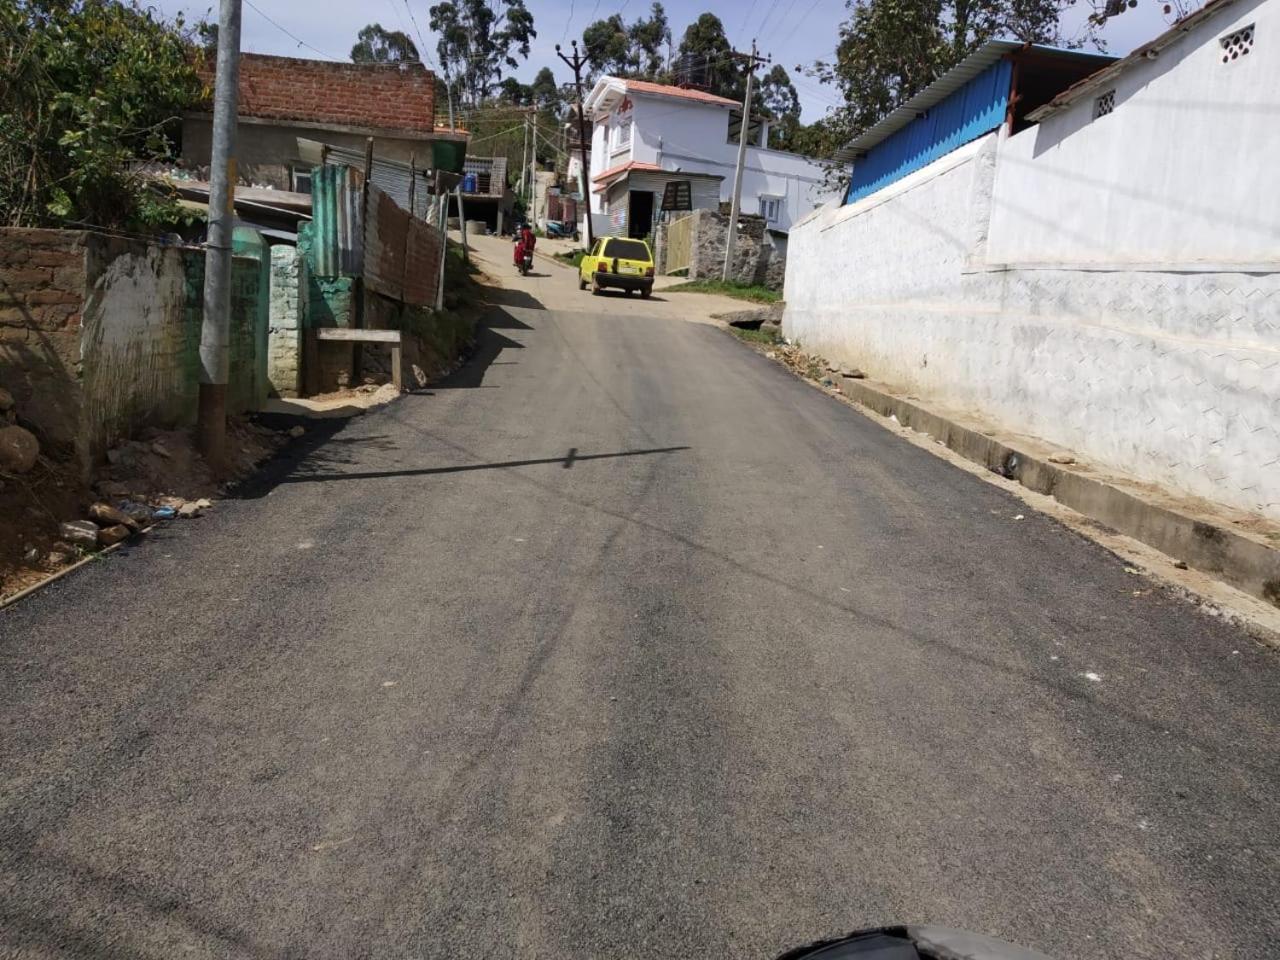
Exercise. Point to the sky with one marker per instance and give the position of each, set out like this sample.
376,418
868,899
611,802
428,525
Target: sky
791,31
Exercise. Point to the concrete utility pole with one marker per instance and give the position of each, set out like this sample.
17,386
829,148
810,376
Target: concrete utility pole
533,164
576,64
524,155
215,327
462,220
736,206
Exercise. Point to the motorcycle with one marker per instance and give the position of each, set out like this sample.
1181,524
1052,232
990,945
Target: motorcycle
556,229
523,258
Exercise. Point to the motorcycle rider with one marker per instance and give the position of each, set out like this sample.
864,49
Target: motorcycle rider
525,241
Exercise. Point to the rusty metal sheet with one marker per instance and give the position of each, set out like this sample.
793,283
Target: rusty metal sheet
422,263
386,240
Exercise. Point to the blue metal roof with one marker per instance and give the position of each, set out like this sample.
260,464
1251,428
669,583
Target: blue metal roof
963,115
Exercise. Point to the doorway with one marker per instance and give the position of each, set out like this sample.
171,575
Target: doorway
640,214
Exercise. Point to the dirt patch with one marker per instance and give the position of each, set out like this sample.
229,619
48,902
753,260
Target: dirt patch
154,478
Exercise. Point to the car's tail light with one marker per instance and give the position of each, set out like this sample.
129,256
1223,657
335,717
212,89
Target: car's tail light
648,271
602,267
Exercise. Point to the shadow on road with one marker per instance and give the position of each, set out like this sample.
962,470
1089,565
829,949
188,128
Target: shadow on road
626,295
322,444
506,297
567,461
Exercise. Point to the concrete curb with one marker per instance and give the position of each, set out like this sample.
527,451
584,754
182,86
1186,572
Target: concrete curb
1208,547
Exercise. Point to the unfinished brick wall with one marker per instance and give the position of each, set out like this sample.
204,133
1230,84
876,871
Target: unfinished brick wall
361,95
42,290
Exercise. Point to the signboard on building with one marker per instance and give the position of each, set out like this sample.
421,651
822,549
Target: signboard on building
678,195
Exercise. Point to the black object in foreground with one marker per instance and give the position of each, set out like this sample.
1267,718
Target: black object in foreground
912,943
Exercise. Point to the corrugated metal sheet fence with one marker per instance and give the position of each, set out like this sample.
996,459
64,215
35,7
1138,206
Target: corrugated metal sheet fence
422,263
402,253
337,238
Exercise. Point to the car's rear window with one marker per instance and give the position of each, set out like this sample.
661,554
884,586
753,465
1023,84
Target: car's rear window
627,250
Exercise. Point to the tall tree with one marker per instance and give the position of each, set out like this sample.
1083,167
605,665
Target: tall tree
615,47
512,91
545,92
778,100
375,44
706,50
478,38
889,50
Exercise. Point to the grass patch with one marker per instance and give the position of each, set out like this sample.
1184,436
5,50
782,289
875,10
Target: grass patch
769,338
572,259
729,288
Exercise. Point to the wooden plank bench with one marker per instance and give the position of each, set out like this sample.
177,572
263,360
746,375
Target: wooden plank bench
356,335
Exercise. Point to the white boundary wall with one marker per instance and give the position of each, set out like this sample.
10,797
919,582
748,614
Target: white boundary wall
1110,285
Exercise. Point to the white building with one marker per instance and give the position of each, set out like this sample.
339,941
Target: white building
1098,265
646,135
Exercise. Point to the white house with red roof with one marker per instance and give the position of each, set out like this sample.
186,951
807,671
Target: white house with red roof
646,135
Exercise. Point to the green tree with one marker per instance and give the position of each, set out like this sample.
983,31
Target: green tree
706,51
478,38
778,100
889,50
87,87
615,47
545,92
375,44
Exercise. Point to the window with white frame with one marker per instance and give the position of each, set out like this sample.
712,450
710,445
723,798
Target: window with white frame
300,179
620,136
770,208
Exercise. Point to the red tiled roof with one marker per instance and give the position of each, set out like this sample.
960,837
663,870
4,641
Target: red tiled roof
662,90
624,168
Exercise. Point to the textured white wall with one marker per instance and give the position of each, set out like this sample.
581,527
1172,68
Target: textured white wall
1181,173
1171,376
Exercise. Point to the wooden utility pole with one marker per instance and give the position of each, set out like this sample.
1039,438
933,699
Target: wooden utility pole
576,65
736,206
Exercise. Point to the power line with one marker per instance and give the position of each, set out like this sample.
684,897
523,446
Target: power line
567,22
394,64
300,41
422,50
404,27
750,10
808,13
767,14
494,136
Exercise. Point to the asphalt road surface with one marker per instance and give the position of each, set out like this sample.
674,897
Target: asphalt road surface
623,643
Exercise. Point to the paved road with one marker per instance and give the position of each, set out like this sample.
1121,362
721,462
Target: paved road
624,643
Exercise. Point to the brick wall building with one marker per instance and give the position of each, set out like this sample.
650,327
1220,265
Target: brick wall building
283,98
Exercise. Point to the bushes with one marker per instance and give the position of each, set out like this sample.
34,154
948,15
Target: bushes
86,87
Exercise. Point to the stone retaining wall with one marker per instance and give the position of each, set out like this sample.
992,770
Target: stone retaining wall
758,257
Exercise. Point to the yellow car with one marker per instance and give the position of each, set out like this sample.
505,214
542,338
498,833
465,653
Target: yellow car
620,263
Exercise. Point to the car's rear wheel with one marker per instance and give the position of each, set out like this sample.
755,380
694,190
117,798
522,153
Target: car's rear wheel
646,291
582,284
